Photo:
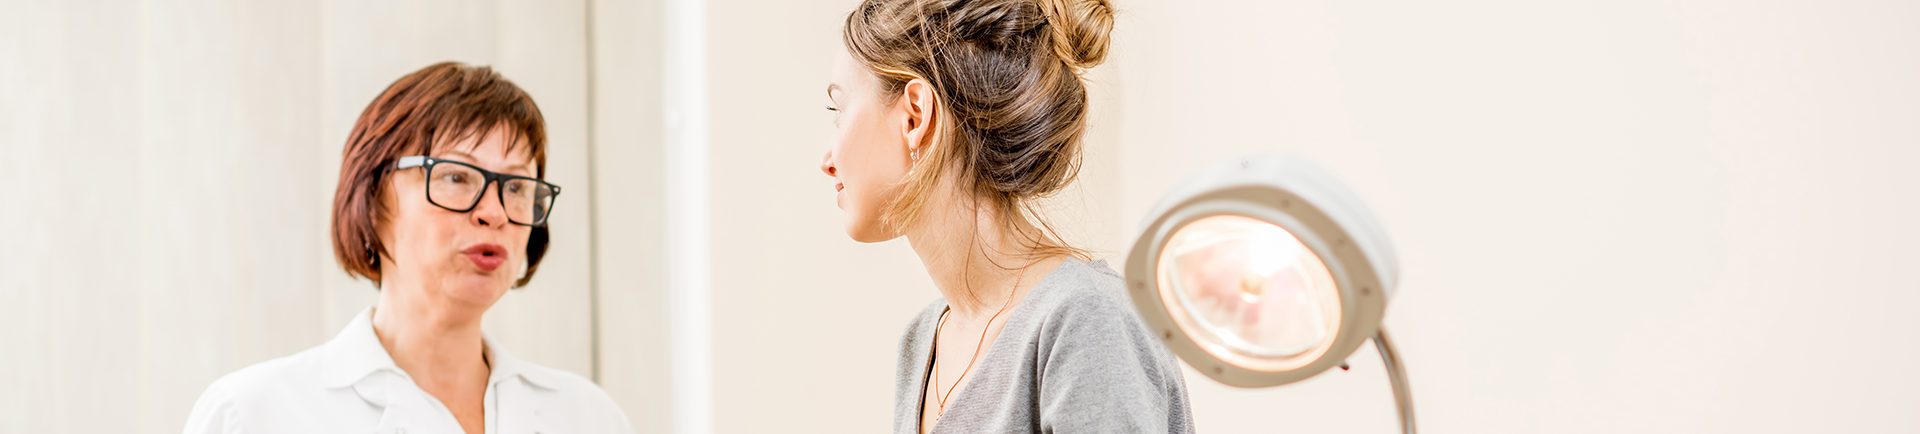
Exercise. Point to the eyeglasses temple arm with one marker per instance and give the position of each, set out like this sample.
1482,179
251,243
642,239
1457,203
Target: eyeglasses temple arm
409,162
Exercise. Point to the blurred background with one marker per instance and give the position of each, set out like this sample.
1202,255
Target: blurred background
1673,216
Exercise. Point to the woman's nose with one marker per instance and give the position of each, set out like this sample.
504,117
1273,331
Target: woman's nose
488,212
826,163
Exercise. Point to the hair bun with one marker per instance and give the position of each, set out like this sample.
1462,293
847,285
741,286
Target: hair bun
1080,30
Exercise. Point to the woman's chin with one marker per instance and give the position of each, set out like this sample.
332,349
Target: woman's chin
869,232
863,225
475,290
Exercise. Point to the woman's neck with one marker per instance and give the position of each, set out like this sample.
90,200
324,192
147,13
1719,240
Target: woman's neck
975,258
433,345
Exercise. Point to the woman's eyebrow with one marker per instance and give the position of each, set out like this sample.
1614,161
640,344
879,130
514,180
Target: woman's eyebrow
462,155
832,87
521,168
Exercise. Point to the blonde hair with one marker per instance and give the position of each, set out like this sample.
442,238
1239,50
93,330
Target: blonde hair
1012,106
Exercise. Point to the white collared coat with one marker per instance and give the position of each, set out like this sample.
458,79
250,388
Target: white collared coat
350,385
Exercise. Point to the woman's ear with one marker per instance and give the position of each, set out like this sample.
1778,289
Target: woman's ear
918,101
520,271
536,249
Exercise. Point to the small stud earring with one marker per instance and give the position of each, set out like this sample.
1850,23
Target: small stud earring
915,155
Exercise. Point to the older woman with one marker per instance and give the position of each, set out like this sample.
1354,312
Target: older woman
442,204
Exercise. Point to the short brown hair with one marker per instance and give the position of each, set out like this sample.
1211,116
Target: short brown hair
443,103
1007,80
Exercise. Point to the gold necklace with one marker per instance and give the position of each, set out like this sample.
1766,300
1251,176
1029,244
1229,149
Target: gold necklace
976,346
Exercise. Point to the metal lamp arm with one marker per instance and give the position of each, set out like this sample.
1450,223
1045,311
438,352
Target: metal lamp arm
1396,374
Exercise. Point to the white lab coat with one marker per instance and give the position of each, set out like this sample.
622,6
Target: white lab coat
350,385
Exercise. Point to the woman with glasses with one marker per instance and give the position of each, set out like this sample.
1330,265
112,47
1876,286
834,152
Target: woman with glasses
442,205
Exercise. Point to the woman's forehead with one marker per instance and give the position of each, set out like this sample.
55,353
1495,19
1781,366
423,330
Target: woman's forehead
495,148
850,74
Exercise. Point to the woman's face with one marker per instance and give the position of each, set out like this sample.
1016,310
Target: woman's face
869,154
468,259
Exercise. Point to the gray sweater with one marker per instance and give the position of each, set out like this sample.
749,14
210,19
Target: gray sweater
1072,358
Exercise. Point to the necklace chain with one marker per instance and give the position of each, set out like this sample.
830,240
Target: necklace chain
976,346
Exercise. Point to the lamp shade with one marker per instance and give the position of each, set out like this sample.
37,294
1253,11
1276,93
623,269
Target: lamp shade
1262,271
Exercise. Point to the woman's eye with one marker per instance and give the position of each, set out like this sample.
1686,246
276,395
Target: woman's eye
455,177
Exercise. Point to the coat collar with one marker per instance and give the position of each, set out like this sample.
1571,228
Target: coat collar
355,355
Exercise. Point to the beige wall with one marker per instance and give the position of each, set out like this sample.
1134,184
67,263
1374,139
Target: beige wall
804,320
1613,216
629,176
1639,216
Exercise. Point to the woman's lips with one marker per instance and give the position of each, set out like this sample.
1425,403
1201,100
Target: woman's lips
486,256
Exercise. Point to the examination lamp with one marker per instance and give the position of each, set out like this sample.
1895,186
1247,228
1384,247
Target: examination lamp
1265,271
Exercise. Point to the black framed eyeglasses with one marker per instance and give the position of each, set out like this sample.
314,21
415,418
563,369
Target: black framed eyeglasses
458,187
